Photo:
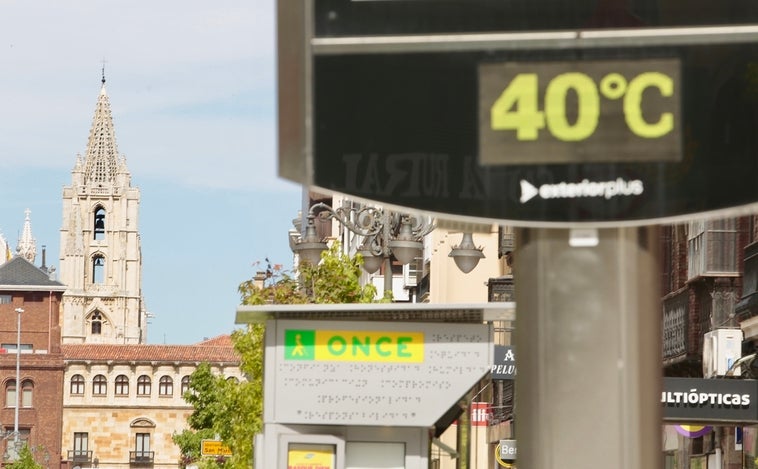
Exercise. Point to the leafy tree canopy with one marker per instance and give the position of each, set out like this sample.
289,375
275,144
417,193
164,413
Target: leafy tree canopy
25,460
234,410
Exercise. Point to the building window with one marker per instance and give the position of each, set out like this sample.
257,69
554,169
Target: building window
99,224
81,446
166,386
142,447
98,269
5,299
99,385
27,392
23,436
185,384
96,323
77,384
10,393
11,348
122,385
143,385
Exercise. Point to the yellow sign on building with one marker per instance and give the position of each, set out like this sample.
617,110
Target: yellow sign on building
214,448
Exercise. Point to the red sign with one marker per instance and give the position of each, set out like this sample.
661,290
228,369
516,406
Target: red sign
481,414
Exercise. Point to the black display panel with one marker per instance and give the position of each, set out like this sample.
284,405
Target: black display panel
404,129
339,18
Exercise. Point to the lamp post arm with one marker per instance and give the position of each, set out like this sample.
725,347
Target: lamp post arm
366,221
422,226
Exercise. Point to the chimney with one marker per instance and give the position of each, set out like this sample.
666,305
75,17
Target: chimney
259,278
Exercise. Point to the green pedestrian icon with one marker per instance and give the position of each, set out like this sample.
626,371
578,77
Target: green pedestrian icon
299,344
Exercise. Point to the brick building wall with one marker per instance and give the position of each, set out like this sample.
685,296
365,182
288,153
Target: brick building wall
41,366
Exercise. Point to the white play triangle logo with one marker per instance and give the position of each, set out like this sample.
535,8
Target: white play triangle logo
527,191
585,188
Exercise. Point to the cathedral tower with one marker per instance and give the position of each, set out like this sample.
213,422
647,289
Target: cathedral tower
100,253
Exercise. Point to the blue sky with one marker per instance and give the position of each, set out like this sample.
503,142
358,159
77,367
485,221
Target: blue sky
192,86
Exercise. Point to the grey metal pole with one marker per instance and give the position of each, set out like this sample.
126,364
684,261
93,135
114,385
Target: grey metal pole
588,336
386,236
18,379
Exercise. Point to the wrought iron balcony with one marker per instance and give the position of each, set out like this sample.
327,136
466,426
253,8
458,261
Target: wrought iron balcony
675,327
80,456
141,458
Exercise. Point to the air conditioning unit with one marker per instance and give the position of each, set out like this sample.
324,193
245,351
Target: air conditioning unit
721,348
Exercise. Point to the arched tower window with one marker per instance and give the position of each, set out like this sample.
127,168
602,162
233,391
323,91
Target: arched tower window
96,323
98,268
99,224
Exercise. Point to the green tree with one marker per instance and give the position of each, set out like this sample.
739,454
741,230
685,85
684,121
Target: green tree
234,410
25,460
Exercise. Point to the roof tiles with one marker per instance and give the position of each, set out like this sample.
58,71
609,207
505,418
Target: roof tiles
208,351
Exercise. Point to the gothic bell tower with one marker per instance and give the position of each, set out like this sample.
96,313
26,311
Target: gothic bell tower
100,253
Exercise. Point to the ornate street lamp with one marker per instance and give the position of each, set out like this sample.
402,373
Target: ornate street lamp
466,254
384,233
310,247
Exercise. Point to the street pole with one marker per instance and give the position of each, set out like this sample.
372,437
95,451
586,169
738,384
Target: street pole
18,379
386,232
588,336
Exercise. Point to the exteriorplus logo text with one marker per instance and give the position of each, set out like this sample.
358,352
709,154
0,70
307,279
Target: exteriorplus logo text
586,188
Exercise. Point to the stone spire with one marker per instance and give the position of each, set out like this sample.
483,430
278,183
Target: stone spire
27,245
101,162
5,249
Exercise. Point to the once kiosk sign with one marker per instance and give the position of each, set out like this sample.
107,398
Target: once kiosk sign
536,118
371,372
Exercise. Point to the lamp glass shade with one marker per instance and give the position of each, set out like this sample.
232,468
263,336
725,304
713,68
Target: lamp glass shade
371,263
406,251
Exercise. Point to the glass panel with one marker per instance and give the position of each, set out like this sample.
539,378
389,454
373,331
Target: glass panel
26,395
10,396
80,442
360,455
142,443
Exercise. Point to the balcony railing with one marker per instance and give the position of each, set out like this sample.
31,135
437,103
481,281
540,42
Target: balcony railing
675,332
80,456
141,458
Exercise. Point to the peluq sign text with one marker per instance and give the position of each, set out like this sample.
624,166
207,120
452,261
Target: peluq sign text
353,346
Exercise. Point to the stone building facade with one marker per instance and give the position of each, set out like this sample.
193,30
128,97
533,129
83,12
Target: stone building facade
122,403
92,394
